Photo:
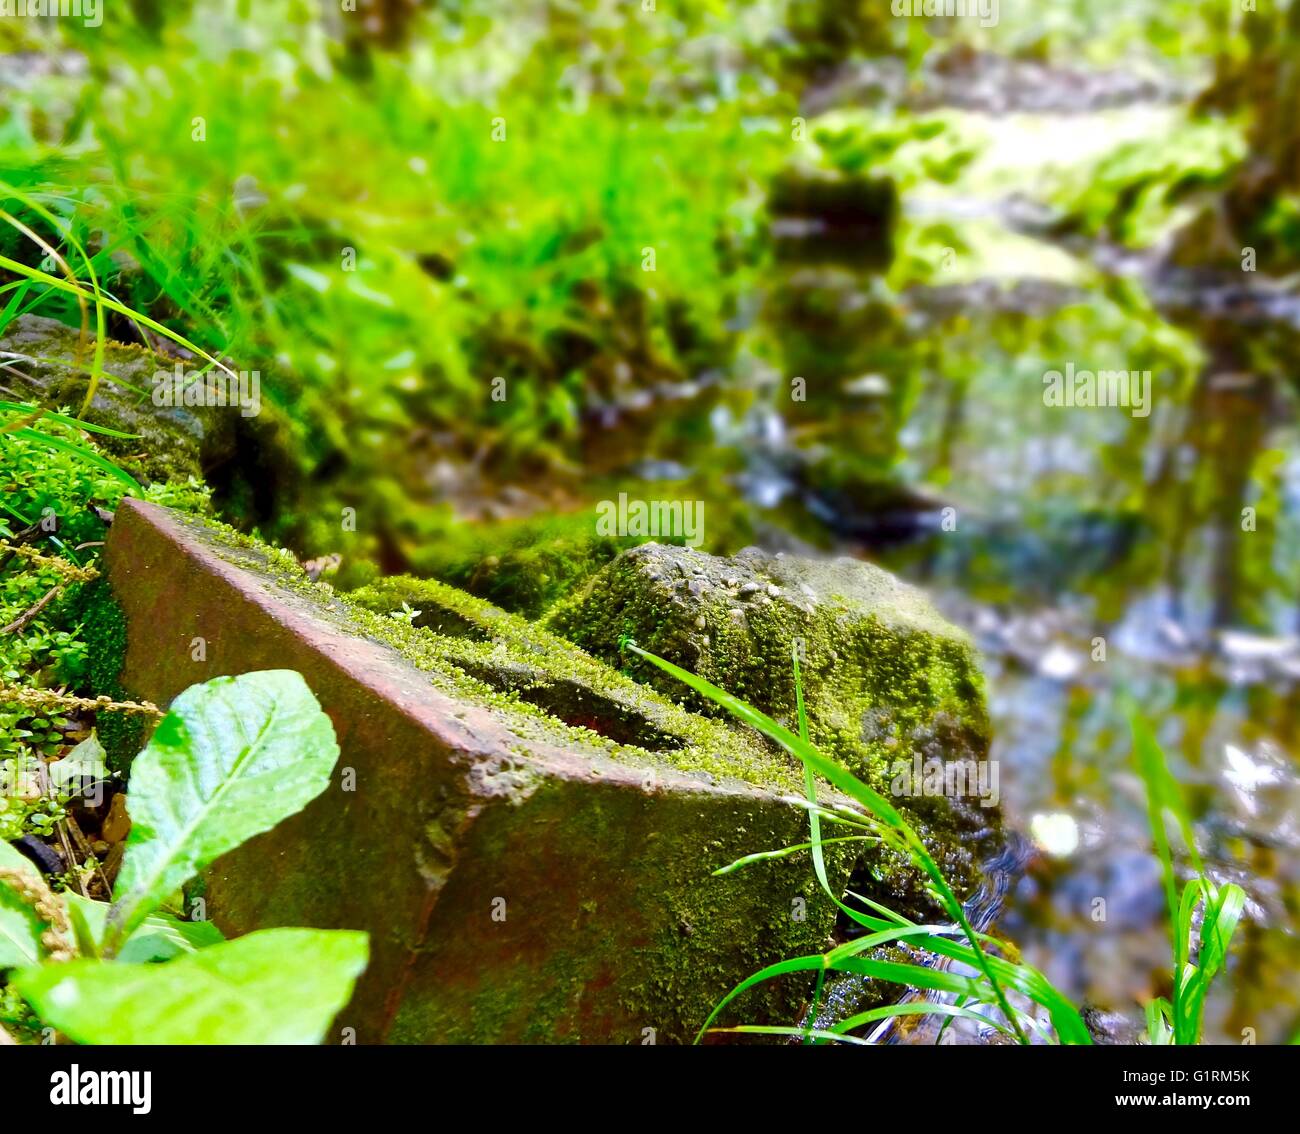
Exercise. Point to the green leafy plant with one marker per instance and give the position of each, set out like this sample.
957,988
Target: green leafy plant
881,820
232,758
57,491
1180,1021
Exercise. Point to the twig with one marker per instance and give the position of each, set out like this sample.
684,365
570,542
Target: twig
62,828
31,612
88,855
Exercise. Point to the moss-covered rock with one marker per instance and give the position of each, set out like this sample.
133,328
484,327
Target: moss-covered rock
885,678
53,368
879,664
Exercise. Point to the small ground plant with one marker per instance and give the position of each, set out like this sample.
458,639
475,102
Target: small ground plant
1179,1020
232,758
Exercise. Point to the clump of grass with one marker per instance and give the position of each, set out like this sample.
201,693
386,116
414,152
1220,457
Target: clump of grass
1180,1022
881,821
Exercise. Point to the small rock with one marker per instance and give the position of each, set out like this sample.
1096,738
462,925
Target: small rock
117,824
750,589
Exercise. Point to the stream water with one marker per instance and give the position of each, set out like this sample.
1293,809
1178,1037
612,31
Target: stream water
1093,553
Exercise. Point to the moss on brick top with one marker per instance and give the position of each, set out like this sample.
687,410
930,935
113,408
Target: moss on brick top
538,685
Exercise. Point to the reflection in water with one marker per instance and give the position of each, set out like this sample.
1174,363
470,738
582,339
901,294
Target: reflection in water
1091,553
1094,554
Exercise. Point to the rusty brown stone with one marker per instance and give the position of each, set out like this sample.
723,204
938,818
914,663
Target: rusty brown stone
522,880
117,823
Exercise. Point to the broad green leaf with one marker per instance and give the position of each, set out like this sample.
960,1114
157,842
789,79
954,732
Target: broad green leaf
20,928
159,938
278,986
232,758
84,765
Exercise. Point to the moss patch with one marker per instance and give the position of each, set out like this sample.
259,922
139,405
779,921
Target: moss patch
103,628
881,669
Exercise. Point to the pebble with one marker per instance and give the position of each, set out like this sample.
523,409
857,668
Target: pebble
750,589
117,824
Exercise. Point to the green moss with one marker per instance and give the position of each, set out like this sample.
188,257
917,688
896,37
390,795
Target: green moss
103,629
523,565
499,659
882,673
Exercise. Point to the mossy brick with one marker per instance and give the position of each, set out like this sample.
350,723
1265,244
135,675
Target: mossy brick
522,878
